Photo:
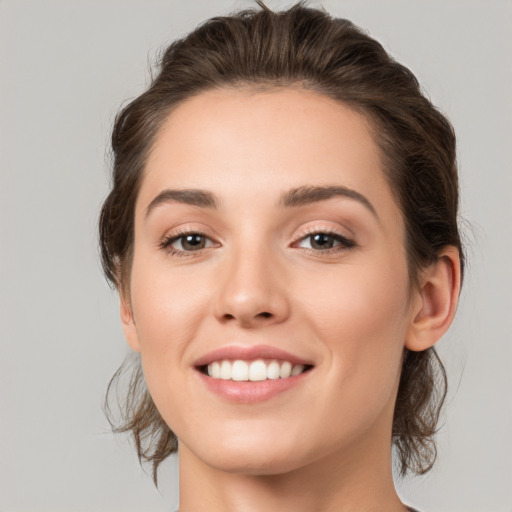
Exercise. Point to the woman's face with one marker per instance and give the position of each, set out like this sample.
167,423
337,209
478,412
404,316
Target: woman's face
267,240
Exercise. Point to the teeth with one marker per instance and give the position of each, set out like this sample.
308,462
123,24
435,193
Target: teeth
214,370
286,370
297,369
258,370
240,371
273,370
225,370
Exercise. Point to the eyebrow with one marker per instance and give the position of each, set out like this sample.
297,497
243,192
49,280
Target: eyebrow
300,196
307,195
201,198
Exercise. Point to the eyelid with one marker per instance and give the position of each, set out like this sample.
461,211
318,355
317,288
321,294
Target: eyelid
190,228
328,229
347,241
165,243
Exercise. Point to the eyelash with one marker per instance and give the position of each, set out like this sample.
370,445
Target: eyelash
166,244
344,243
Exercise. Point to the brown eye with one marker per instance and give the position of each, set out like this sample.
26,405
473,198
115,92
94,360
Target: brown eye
192,242
323,241
188,242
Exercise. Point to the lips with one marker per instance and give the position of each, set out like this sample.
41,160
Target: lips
251,374
265,352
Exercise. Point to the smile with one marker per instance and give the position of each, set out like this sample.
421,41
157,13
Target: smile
258,370
250,374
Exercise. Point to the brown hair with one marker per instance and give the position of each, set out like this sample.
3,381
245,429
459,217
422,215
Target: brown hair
307,48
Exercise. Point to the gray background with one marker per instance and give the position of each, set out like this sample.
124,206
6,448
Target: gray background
65,68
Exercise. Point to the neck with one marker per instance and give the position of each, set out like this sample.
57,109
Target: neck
356,481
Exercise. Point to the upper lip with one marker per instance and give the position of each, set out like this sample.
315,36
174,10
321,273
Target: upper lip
249,353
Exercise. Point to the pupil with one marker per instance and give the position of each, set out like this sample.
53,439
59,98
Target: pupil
322,241
193,242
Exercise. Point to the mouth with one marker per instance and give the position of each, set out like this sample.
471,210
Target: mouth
240,370
251,374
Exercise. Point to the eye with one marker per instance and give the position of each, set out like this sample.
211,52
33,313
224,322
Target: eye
324,241
186,243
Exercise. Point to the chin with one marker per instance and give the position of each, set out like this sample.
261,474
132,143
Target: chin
261,454
259,462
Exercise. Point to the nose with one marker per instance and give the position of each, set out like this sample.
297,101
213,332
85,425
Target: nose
251,290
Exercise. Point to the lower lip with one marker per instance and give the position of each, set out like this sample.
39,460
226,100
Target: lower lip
247,392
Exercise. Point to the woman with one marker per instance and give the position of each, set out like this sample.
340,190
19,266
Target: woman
282,231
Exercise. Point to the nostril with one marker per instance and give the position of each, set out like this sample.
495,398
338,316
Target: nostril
247,318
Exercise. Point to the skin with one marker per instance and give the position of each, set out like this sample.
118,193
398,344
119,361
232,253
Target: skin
324,444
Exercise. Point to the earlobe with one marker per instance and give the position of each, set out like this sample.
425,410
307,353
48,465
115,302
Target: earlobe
436,301
128,323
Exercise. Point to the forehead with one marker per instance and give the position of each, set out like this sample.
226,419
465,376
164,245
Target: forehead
261,143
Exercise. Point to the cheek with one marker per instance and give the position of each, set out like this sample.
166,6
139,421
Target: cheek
167,311
165,305
358,298
361,317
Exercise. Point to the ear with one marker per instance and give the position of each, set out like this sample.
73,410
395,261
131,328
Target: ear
128,323
435,303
